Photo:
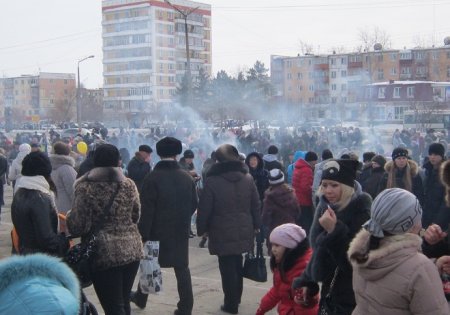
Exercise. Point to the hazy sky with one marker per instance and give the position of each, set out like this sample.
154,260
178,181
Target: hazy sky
51,35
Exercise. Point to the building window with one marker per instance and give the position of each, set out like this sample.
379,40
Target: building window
380,57
448,71
332,61
311,100
396,92
299,87
343,87
343,61
333,74
344,99
410,91
393,71
311,75
435,55
311,87
289,76
420,55
399,113
393,56
382,92
333,87
368,93
448,54
334,100
405,70
299,63
343,73
380,74
299,76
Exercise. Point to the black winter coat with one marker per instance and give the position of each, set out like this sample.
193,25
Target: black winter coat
373,185
259,174
330,250
229,209
168,200
35,218
137,170
434,196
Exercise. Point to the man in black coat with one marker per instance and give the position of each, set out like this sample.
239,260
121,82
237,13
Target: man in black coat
139,165
168,200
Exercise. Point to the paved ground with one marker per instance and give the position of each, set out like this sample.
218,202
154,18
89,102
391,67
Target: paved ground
206,282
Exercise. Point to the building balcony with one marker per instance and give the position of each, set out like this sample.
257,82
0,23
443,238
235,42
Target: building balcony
405,76
357,64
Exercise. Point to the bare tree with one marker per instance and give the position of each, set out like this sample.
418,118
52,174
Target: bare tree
421,41
338,49
306,48
376,35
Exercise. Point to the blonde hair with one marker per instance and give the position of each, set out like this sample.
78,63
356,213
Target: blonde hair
346,195
407,178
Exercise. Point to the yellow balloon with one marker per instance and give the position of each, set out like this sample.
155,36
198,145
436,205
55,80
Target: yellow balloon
82,147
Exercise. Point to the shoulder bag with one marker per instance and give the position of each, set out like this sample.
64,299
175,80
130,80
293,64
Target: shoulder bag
255,266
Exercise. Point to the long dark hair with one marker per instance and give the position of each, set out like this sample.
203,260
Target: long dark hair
289,258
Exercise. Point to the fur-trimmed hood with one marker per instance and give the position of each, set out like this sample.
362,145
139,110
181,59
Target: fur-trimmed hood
231,171
102,174
413,166
392,252
445,173
281,195
260,165
59,160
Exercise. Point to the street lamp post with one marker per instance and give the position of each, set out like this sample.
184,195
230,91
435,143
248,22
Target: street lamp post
78,90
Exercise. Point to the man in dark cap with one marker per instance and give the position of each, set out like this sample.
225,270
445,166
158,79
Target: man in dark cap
229,213
139,165
271,159
168,200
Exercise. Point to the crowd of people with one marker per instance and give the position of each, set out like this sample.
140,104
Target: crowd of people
345,236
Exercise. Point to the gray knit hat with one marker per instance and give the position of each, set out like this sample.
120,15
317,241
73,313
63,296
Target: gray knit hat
393,211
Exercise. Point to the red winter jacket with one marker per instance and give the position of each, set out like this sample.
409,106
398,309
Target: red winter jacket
282,294
302,181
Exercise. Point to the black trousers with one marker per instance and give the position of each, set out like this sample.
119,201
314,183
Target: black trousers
232,281
113,287
184,286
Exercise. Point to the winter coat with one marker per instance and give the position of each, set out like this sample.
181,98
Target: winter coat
86,165
271,162
37,284
396,279
364,175
330,249
417,187
64,176
280,206
3,169
118,239
229,209
290,170
281,293
434,196
15,171
374,184
35,218
259,174
168,199
302,182
138,169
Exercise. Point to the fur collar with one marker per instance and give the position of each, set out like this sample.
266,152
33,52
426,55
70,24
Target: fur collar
389,246
167,165
413,166
445,173
59,160
225,167
102,174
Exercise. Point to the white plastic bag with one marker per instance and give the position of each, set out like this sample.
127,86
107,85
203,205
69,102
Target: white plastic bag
150,277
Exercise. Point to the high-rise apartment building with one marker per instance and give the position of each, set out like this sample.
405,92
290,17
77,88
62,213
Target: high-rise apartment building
144,54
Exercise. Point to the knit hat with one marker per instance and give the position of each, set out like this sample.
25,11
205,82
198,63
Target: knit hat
145,148
379,159
276,176
436,148
272,149
168,146
288,235
311,156
36,164
106,155
394,211
61,148
342,171
227,153
398,152
188,154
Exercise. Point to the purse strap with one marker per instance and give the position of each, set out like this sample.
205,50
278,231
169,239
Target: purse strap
259,249
333,282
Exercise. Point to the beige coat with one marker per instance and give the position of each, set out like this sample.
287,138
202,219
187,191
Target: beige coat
396,279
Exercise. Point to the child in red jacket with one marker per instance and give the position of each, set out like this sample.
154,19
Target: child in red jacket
290,255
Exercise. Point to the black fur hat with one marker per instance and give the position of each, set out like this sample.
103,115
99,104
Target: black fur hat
168,146
35,164
342,171
106,155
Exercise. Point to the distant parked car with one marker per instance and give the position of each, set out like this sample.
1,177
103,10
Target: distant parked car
72,132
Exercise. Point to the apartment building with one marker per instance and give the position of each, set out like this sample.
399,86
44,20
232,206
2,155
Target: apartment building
36,97
144,54
339,80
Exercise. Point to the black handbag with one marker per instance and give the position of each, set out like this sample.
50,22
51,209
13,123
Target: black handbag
327,306
255,266
80,256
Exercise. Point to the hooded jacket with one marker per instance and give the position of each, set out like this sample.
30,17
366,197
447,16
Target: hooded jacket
38,283
280,206
64,176
302,181
260,174
16,166
229,209
434,195
290,170
396,279
271,162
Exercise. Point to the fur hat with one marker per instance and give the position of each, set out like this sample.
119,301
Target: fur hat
393,211
36,164
272,149
342,171
288,235
188,154
367,156
327,154
436,148
398,152
227,153
61,148
311,156
145,148
380,160
168,146
106,155
276,176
